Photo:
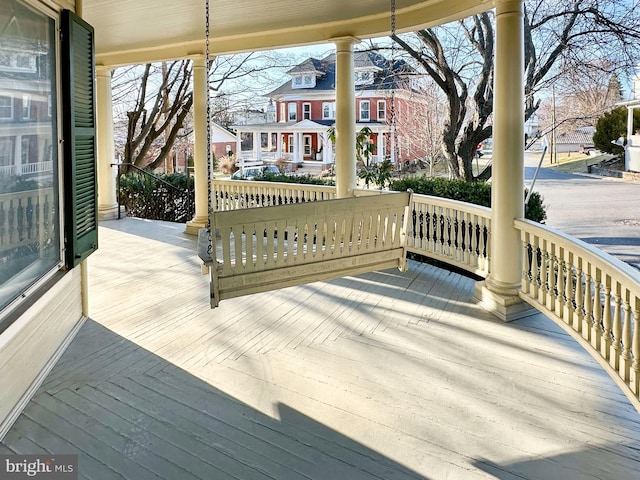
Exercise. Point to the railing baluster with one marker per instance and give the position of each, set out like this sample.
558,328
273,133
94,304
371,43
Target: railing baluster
568,289
635,349
587,323
605,342
596,333
626,355
579,305
616,328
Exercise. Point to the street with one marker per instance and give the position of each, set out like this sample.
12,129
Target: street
600,211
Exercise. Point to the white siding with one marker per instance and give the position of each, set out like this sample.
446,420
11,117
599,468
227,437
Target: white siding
30,346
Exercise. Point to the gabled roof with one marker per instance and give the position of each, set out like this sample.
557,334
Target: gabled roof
387,75
310,65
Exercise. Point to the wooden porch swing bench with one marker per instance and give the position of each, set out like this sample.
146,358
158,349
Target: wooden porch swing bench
268,248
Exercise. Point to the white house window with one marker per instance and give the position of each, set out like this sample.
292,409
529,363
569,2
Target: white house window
306,143
12,61
289,143
328,110
382,109
365,114
283,112
303,81
26,261
26,107
306,111
6,153
292,112
6,107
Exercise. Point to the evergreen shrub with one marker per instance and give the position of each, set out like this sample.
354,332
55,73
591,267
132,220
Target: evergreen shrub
478,193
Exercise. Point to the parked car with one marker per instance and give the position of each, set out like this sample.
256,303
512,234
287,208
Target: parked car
254,173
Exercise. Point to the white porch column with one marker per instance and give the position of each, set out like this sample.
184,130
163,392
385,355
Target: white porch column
200,91
17,155
380,147
300,148
107,195
499,293
345,118
256,146
279,145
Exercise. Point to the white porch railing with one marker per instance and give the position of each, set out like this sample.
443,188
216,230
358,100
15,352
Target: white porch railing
26,218
26,168
239,194
454,232
592,295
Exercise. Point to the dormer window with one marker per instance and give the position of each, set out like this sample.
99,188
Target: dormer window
304,81
363,77
18,62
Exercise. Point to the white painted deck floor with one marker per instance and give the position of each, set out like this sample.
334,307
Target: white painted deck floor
380,376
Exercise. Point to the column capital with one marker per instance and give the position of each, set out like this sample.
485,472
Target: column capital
345,42
198,60
508,6
103,71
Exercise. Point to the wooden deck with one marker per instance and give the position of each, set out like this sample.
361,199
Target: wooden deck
381,376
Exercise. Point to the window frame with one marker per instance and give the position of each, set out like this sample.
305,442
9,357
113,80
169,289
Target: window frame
306,145
382,108
332,110
306,114
52,272
9,106
361,110
26,106
292,113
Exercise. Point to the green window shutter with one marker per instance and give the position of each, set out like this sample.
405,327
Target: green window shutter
79,127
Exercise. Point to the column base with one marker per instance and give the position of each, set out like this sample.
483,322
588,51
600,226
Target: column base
193,226
109,212
506,306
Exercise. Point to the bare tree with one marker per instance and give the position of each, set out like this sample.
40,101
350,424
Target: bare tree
154,101
559,37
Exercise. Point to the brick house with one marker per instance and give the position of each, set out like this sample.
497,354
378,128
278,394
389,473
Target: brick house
304,111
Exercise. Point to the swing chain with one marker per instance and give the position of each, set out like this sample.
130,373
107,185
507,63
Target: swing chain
207,102
393,133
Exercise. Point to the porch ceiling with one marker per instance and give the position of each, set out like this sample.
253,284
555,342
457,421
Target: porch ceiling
138,31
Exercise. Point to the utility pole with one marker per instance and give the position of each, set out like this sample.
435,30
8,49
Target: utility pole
554,153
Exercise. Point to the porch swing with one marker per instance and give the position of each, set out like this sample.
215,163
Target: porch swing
267,248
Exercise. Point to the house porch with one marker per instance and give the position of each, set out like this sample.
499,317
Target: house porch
384,375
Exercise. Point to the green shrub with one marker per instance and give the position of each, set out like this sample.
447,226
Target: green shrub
478,193
303,179
147,196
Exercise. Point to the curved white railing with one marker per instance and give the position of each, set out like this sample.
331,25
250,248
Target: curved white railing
592,295
239,194
453,232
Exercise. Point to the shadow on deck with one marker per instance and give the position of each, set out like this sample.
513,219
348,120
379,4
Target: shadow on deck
386,375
